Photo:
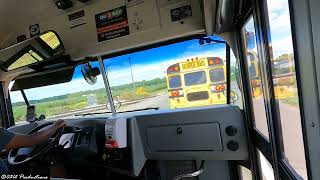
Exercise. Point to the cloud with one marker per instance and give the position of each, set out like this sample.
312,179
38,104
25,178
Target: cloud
282,46
277,5
280,27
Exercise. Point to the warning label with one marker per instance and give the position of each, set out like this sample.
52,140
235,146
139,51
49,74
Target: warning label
77,19
112,24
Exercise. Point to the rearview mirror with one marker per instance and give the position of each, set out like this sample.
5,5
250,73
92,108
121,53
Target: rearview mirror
90,73
32,51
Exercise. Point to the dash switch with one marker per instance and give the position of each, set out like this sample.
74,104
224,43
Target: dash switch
231,131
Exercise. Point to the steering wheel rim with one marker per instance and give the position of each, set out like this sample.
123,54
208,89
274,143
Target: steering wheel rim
12,159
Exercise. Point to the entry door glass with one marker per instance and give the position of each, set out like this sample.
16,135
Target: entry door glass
255,80
285,84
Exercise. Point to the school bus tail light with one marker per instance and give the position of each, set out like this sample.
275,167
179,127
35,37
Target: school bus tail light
218,88
215,61
178,93
173,69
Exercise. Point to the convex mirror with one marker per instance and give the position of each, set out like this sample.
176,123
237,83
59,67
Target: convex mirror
44,47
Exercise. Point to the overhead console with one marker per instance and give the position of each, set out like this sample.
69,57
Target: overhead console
108,26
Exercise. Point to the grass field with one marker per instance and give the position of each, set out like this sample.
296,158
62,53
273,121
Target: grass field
294,101
65,103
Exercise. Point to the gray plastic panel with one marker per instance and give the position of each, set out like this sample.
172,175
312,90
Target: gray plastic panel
177,138
163,145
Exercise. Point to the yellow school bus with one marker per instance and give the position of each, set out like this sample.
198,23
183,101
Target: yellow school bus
254,74
284,77
197,82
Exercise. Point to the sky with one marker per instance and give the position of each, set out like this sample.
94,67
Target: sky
152,63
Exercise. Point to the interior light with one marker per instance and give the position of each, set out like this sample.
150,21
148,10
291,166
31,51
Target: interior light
64,4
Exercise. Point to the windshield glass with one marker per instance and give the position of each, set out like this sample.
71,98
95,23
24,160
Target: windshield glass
195,78
142,79
174,81
217,75
137,81
62,100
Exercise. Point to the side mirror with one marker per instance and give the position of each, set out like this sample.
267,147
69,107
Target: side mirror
90,73
31,114
35,51
42,117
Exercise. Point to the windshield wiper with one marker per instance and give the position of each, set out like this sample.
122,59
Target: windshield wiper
107,112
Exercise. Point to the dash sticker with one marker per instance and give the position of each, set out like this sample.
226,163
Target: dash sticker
112,24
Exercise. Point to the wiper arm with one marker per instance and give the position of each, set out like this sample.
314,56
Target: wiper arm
108,112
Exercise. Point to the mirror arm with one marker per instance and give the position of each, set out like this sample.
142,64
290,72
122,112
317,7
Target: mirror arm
25,98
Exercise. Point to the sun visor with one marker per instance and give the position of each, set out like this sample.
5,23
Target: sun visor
43,79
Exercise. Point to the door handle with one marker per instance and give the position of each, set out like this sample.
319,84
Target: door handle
189,175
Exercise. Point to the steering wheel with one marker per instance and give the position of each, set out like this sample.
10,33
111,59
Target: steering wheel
24,155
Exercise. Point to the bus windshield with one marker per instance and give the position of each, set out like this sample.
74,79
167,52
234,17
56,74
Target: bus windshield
179,75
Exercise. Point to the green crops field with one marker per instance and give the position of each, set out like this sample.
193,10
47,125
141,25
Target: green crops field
66,103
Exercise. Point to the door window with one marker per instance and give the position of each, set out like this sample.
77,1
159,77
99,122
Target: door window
255,77
285,84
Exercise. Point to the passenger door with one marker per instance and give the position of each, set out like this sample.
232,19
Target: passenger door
279,151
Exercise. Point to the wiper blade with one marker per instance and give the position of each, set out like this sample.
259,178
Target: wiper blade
143,109
107,112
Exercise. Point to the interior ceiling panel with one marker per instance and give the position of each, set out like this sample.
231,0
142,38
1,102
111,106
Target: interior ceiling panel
15,14
153,18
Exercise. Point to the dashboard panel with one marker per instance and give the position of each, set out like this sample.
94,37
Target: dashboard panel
213,133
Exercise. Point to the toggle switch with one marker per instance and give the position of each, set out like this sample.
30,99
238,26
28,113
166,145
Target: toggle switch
231,131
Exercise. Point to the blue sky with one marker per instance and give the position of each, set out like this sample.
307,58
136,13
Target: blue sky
153,63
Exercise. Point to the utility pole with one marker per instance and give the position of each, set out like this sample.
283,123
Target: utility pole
133,85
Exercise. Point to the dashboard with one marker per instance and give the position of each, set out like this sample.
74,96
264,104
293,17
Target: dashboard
124,143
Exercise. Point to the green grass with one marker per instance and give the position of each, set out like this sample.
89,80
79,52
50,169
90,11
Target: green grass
291,101
66,103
